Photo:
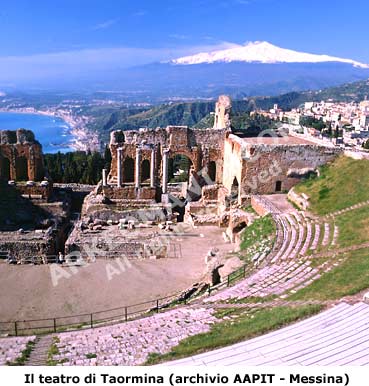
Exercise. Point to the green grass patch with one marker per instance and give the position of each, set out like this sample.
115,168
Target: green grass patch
53,350
221,313
353,227
317,261
249,209
246,326
21,361
342,183
349,278
258,237
254,299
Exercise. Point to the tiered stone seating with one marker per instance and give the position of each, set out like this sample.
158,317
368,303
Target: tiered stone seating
345,210
301,236
131,343
335,235
293,238
338,336
326,235
285,240
315,242
11,348
287,268
308,238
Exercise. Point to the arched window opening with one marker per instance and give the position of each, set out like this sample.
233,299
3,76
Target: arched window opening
235,189
278,186
145,170
128,170
5,169
21,169
212,170
179,168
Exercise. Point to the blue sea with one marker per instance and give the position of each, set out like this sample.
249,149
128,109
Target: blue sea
53,133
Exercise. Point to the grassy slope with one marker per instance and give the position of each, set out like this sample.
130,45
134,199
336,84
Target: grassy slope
342,183
246,326
349,278
354,227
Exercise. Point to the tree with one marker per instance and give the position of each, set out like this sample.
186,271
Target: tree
77,167
107,158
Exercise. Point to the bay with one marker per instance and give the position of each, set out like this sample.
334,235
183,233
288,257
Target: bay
52,132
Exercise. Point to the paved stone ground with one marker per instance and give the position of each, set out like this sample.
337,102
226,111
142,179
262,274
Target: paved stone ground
11,348
131,343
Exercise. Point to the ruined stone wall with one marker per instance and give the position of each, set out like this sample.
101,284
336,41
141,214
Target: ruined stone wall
277,168
35,192
222,112
20,156
233,163
130,192
24,250
210,192
259,206
201,146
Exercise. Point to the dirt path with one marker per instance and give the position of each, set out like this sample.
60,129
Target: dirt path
27,292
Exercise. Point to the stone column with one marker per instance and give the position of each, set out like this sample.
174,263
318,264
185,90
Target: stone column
13,168
119,166
152,168
31,165
165,170
138,169
104,177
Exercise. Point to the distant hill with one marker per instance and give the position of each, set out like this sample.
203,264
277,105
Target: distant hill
237,79
105,119
183,114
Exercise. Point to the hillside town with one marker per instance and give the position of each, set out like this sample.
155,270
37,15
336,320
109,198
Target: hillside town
340,123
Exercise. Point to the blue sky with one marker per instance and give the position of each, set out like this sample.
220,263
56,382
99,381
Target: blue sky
41,38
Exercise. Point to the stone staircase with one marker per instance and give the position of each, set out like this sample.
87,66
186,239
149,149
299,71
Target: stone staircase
40,351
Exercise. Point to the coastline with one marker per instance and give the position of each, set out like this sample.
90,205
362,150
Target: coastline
83,138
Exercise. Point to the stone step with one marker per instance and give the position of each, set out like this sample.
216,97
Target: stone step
39,354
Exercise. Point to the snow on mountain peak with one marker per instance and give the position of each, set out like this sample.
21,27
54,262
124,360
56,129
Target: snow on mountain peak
261,52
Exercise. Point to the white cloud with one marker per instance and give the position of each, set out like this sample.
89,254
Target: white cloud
82,61
106,24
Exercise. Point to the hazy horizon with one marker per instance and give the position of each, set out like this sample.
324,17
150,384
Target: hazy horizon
43,41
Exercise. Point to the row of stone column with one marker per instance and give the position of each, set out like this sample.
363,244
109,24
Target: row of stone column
29,164
137,169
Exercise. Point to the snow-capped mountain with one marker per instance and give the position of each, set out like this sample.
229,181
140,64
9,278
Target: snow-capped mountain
261,52
255,69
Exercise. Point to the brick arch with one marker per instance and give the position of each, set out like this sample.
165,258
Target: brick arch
193,157
172,156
